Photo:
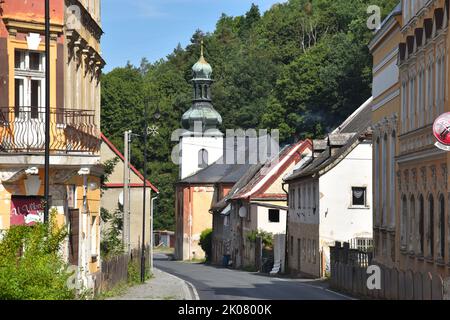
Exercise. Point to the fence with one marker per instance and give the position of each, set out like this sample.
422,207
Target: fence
115,269
349,274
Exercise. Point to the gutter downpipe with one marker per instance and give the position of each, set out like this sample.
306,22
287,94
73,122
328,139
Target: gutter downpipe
286,250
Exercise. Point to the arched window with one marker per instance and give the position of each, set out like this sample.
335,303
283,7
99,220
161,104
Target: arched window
431,225
441,227
411,219
421,224
404,222
392,180
384,178
203,158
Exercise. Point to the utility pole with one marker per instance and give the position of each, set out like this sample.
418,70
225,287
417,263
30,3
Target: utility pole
47,113
126,194
145,195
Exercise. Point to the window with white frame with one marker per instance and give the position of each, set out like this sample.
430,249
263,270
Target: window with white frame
299,194
29,84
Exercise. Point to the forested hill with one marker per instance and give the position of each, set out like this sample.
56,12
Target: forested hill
301,67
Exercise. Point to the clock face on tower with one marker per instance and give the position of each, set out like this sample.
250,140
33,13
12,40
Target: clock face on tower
441,129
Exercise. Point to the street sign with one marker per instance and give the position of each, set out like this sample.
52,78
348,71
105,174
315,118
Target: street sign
441,131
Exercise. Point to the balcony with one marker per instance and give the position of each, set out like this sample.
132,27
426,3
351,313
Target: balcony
22,130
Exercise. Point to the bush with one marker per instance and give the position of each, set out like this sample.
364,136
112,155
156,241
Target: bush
206,243
267,237
31,267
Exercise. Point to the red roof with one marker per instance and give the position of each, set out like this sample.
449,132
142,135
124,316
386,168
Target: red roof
120,155
256,187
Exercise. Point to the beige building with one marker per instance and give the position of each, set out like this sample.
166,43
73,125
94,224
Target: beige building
112,198
75,171
411,223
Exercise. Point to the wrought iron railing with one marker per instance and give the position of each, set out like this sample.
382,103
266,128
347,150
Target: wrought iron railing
22,130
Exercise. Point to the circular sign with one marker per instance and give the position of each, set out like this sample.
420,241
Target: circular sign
441,129
242,212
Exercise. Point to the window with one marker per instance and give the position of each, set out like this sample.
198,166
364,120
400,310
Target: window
411,219
309,251
29,79
293,198
421,224
299,193
314,251
314,198
441,226
404,105
412,96
274,215
292,245
404,222
431,226
392,180
203,158
430,99
359,196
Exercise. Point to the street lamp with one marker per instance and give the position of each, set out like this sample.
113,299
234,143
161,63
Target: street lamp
47,112
157,116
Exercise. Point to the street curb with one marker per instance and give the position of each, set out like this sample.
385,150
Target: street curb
189,290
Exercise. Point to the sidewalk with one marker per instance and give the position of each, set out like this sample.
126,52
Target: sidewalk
162,286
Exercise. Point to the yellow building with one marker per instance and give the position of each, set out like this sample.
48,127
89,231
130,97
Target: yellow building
410,91
75,170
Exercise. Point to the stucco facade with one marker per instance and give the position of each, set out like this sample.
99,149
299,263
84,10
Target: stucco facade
411,209
112,197
74,137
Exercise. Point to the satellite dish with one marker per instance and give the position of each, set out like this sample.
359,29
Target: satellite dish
121,198
242,212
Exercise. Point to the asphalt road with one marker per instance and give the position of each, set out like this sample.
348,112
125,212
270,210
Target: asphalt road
215,283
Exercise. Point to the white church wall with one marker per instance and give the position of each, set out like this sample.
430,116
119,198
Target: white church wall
190,147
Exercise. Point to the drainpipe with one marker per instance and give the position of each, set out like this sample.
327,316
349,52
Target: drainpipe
286,250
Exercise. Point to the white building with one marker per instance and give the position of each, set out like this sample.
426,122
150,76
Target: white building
330,197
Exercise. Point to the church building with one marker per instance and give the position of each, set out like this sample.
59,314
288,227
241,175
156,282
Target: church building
201,144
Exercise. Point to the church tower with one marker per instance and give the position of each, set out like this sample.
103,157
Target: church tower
202,142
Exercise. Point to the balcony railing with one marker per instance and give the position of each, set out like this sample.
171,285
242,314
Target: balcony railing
22,130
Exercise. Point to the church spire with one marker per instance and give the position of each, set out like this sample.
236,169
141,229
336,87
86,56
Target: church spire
202,109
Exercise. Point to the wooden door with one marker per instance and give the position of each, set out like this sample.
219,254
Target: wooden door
74,218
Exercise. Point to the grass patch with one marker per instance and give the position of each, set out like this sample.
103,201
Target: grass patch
116,291
164,250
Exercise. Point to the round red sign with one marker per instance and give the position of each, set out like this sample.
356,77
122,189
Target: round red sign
441,129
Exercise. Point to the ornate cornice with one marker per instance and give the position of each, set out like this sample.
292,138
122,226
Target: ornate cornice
87,20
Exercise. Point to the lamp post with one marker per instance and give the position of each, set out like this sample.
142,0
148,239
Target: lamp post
47,112
146,133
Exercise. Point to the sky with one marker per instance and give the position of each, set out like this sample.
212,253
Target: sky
153,28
